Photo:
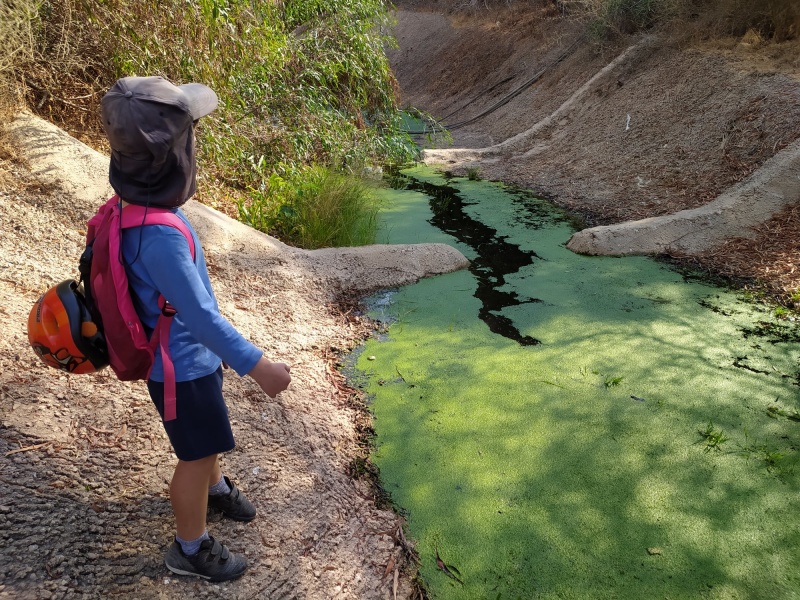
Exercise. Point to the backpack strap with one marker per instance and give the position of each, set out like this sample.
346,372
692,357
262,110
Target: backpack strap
134,215
161,339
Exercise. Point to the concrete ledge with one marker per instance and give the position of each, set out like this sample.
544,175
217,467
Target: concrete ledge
80,172
733,214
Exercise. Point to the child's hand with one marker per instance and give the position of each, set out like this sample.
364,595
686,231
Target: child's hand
271,376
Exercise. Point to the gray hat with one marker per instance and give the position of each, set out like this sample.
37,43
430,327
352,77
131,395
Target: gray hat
148,121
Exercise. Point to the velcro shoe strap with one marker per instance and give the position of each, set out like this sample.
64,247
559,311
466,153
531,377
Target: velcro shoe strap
218,552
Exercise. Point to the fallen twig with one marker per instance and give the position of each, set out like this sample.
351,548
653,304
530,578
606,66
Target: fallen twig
26,448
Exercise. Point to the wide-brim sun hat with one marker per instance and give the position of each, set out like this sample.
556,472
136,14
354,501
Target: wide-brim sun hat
148,121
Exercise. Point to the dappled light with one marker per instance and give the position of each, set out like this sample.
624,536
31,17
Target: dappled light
632,453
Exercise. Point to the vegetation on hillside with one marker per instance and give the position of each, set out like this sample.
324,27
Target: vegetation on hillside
304,85
773,19
307,95
770,19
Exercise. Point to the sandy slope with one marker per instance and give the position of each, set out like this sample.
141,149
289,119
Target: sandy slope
85,462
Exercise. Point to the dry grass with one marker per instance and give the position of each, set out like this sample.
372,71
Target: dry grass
17,32
776,20
765,20
55,64
771,259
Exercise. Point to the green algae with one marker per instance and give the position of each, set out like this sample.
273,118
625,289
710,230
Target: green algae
579,466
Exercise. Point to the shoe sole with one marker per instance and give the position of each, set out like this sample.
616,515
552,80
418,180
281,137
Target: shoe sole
178,571
232,517
239,519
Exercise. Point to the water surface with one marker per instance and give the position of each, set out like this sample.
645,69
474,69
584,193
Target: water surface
561,426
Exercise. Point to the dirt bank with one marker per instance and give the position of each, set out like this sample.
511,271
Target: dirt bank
85,462
639,128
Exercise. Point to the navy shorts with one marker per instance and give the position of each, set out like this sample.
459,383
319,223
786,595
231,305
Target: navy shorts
202,427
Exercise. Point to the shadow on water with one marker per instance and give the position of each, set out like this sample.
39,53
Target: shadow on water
646,448
495,256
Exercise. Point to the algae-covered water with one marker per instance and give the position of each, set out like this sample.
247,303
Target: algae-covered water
562,426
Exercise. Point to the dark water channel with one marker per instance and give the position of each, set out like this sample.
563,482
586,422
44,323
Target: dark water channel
561,426
494,257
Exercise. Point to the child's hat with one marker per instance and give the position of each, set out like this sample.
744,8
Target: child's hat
148,121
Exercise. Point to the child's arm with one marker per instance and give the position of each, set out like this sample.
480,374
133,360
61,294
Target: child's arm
271,376
165,255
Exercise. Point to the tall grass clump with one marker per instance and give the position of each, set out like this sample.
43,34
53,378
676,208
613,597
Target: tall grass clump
17,25
317,208
303,84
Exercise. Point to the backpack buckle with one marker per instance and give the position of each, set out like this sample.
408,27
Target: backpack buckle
168,310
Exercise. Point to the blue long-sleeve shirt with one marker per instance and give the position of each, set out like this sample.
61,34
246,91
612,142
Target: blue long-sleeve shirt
158,261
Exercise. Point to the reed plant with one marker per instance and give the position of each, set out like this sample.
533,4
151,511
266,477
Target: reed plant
315,208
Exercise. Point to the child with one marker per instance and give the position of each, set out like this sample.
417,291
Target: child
150,126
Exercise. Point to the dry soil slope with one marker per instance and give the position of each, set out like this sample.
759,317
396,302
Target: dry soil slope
84,462
643,128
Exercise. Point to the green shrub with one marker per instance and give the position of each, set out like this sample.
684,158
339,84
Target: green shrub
315,208
303,82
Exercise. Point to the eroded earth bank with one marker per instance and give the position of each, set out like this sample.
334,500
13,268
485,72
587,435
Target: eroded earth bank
692,141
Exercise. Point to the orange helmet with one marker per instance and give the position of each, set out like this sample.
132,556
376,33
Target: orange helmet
62,333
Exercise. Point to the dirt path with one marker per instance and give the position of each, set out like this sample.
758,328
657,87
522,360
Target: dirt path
85,462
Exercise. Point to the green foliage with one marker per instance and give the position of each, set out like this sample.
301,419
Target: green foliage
773,458
321,94
300,83
314,208
776,461
782,312
712,437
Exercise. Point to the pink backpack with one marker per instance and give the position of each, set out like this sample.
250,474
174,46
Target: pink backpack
130,352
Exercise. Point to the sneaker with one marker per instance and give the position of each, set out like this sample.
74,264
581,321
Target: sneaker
233,505
213,562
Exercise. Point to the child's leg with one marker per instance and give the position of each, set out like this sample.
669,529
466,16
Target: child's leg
194,552
188,494
201,430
